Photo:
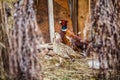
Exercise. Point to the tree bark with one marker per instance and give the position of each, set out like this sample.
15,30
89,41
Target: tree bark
106,34
24,61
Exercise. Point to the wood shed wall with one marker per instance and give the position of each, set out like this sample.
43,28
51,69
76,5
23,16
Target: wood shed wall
83,15
61,11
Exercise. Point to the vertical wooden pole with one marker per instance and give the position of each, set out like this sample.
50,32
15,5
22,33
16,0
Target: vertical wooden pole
70,8
51,19
74,14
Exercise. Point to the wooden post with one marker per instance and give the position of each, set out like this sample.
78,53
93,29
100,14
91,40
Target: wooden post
70,8
74,15
51,19
73,4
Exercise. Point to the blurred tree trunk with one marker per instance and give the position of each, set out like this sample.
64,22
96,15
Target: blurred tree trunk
106,35
4,44
24,61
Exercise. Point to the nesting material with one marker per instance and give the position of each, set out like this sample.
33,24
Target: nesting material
62,49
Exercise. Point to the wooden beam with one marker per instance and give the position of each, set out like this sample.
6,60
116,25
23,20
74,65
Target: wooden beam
51,19
73,4
70,8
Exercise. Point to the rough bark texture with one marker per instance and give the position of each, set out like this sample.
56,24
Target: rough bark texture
24,63
3,43
106,34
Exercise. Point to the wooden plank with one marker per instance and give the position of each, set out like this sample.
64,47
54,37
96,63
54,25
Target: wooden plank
70,7
83,15
51,19
75,16
63,3
73,5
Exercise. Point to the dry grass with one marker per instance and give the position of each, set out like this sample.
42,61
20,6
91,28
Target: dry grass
67,70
